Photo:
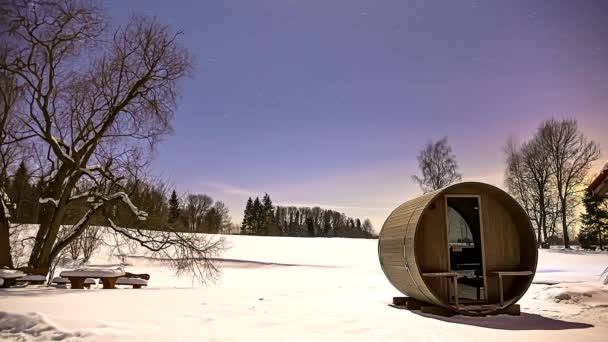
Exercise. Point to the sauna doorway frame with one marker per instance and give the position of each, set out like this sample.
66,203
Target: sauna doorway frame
481,238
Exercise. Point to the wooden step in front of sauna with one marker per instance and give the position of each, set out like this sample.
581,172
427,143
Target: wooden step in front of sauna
408,303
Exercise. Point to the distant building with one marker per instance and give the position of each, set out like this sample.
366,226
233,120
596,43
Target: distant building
600,183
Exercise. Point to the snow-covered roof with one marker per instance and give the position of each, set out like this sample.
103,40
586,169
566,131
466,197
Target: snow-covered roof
600,184
131,281
93,273
8,273
33,277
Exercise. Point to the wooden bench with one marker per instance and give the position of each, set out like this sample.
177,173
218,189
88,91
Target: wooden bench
145,276
88,282
9,277
137,283
60,281
501,275
32,279
453,276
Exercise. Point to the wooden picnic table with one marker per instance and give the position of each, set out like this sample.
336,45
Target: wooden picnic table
108,277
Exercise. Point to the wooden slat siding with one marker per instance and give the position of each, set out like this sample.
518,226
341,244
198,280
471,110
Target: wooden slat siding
411,251
398,232
411,243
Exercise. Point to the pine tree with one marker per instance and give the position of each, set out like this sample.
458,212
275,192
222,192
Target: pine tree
594,220
310,228
20,193
256,216
246,226
41,211
297,223
268,215
173,207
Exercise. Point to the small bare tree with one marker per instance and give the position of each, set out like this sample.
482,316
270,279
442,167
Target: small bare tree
570,158
89,241
74,249
438,166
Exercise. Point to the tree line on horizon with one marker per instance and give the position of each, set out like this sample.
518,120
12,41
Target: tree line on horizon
186,212
547,174
183,213
261,217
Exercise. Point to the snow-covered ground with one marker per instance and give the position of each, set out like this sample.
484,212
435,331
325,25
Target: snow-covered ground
301,289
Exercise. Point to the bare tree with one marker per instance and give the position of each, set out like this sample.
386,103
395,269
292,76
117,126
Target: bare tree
570,158
74,249
438,166
217,218
368,227
95,106
89,241
527,178
196,208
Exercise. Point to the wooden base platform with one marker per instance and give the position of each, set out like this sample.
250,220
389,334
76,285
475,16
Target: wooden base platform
409,303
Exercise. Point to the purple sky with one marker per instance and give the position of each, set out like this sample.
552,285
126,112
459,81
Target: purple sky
328,102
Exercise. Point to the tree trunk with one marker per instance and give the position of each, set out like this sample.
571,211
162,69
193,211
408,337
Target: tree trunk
565,225
43,228
44,259
39,257
5,245
543,219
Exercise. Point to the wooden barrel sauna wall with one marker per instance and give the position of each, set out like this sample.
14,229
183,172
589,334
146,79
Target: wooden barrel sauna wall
419,259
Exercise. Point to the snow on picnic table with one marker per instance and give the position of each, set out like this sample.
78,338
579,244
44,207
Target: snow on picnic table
9,273
301,289
92,272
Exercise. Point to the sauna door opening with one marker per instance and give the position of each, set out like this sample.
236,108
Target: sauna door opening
464,230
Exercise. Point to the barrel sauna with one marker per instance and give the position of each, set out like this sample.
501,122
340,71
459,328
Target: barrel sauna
469,247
